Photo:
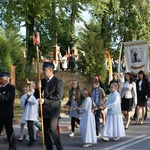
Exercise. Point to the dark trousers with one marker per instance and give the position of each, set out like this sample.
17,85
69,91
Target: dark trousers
31,130
8,123
50,130
73,120
97,120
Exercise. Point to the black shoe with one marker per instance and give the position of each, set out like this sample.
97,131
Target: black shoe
30,144
97,133
35,140
19,140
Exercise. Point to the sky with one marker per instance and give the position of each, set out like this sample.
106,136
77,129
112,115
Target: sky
85,15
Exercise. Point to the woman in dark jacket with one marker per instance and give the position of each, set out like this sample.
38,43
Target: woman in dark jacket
143,92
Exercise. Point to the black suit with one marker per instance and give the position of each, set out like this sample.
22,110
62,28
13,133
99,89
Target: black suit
7,96
141,95
52,92
145,87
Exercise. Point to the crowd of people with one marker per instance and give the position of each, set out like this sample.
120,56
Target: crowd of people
68,63
125,92
86,107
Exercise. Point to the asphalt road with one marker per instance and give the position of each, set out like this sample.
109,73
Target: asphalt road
137,138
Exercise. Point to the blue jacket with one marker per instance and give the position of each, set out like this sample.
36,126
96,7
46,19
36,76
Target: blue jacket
114,104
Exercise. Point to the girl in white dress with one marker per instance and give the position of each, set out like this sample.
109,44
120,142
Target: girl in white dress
114,127
87,122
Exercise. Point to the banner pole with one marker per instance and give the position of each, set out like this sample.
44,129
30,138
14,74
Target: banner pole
41,110
121,46
36,41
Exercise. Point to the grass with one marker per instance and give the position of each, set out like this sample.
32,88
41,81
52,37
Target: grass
67,78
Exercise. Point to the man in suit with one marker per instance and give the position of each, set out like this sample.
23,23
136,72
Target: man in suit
52,89
7,96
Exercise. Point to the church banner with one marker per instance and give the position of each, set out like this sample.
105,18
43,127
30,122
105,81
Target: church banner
137,56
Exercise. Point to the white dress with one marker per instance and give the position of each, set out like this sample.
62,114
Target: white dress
22,105
114,126
31,109
87,122
64,62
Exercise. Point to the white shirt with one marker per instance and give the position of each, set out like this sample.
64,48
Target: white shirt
140,85
128,90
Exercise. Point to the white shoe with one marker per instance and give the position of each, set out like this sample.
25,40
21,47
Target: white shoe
115,139
105,139
27,138
99,135
87,145
71,134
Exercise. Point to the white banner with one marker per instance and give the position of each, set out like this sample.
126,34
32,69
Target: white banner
136,55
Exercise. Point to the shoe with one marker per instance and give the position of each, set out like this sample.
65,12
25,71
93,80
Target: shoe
87,145
142,122
35,140
105,139
71,134
99,135
19,140
27,138
2,133
126,128
132,118
116,139
30,144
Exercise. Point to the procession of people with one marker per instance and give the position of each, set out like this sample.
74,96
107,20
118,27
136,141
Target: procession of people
85,107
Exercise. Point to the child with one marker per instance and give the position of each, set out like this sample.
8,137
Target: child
114,127
30,111
87,123
99,98
75,100
27,116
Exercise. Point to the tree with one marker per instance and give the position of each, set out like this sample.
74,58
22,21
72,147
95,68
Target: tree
93,54
11,53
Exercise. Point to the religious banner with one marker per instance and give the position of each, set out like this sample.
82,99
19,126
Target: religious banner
137,56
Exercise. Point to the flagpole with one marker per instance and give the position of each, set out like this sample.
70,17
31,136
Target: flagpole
36,41
121,46
41,109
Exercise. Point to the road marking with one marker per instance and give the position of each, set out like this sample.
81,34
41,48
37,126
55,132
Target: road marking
125,142
133,143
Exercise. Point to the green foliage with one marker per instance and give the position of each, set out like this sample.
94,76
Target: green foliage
55,20
11,53
92,60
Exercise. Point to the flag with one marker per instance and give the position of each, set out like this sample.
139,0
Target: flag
68,53
110,65
36,38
